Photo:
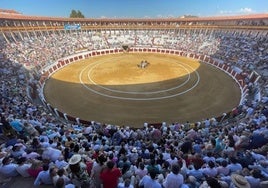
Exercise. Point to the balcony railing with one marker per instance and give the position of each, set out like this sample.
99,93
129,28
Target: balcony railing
132,27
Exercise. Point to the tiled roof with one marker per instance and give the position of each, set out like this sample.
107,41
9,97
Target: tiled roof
13,15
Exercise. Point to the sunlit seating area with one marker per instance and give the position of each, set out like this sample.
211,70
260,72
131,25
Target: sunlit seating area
34,139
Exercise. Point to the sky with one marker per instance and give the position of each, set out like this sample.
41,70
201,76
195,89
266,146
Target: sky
136,8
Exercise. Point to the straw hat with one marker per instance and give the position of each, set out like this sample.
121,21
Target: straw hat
75,159
240,181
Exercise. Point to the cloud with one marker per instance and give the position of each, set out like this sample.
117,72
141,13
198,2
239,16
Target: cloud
245,10
160,16
226,12
165,16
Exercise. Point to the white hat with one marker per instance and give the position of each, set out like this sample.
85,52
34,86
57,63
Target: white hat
240,181
43,114
134,150
192,179
79,135
160,178
75,159
9,148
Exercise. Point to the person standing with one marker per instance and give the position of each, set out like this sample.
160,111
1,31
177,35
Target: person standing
174,178
97,168
79,175
110,175
43,177
149,181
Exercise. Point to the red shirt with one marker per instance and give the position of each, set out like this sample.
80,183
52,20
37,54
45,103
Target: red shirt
89,166
110,177
34,172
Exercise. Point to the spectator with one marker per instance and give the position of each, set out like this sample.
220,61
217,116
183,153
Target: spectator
8,168
110,175
60,163
79,175
239,181
44,177
61,184
62,174
98,166
210,170
222,169
23,167
126,184
35,168
254,178
174,179
234,166
150,181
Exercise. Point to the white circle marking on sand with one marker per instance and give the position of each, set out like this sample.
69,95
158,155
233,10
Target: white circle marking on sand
135,92
138,99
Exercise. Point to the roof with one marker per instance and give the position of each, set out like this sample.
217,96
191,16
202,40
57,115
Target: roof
7,11
13,15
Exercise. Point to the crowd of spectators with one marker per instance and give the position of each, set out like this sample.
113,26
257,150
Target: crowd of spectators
245,50
38,145
161,22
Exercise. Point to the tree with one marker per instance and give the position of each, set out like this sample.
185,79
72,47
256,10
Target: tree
73,14
76,14
80,15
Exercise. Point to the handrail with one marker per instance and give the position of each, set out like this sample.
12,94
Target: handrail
134,27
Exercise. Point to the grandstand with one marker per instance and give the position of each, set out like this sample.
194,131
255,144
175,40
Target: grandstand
43,43
34,48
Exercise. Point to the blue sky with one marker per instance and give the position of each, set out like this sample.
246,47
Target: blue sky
136,8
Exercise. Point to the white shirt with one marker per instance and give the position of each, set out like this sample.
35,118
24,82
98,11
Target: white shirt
234,167
166,156
88,130
254,182
257,156
172,161
61,164
211,172
148,182
51,153
44,144
173,181
23,170
70,186
32,155
122,185
207,159
9,170
43,178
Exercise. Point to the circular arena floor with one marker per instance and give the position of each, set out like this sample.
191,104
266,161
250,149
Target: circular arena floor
114,89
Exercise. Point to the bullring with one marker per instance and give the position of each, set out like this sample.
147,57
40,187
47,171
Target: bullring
36,50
